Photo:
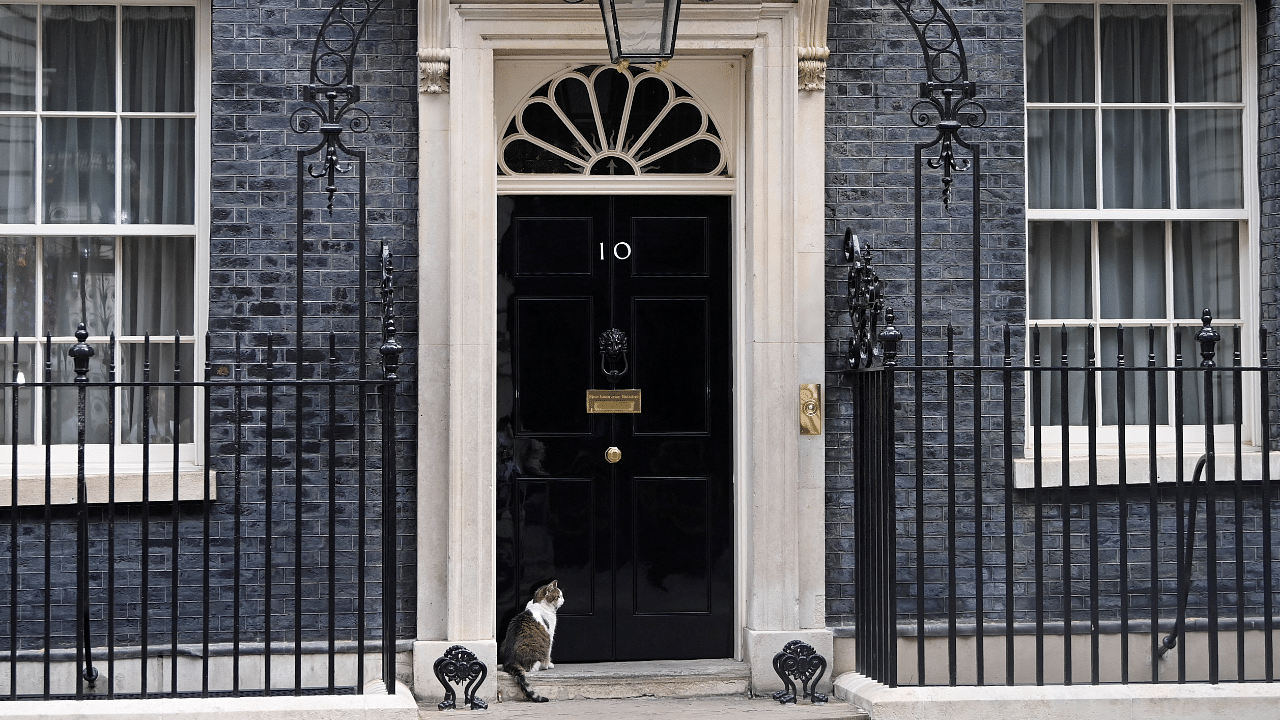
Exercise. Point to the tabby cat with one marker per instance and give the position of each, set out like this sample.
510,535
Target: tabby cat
529,637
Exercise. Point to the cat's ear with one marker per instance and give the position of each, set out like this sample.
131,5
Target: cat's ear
553,585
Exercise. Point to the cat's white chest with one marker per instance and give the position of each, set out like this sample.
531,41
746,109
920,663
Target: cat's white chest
543,616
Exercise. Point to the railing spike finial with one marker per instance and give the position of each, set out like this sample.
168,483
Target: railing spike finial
391,347
1208,338
80,354
890,336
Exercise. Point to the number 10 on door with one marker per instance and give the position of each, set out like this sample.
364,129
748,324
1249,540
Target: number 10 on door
621,251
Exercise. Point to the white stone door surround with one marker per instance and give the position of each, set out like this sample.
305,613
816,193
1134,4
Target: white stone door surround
779,315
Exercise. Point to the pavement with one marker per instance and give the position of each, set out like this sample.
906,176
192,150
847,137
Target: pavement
724,707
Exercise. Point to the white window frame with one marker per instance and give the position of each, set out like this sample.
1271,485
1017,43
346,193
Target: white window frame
1136,440
128,457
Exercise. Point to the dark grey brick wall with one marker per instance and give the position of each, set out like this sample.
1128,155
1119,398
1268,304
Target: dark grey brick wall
1269,180
871,88
261,57
874,66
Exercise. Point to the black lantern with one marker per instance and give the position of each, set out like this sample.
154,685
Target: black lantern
640,30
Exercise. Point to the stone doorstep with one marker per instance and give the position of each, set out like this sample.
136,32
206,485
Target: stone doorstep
656,678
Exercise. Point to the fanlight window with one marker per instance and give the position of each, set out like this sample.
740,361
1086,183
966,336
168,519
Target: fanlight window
598,120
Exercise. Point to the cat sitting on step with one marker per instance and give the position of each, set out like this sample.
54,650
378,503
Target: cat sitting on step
529,636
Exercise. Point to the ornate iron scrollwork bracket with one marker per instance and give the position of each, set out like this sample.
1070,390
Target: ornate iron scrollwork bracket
947,98
799,661
866,302
459,665
613,350
332,95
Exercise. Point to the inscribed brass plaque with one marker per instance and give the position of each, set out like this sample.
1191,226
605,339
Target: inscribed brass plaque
613,401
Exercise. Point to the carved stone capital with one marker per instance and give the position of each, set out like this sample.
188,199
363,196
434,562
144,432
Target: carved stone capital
433,46
812,44
433,71
813,68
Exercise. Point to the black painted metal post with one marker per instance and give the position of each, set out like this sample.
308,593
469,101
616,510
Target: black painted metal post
890,337
390,351
13,522
111,515
1153,502
1037,434
1268,603
1010,535
80,354
1208,338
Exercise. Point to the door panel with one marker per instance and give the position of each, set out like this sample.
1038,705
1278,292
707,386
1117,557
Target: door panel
672,556
553,246
676,397
554,366
672,246
642,548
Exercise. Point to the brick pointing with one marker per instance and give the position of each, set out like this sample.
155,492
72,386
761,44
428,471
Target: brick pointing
872,85
874,66
261,57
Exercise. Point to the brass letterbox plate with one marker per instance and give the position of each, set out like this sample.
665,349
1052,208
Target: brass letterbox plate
613,401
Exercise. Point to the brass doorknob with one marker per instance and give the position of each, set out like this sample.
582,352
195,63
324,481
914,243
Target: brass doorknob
613,455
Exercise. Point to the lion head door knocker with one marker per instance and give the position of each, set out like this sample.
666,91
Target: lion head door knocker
866,302
613,352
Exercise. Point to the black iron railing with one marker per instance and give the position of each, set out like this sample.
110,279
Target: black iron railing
255,567
1039,521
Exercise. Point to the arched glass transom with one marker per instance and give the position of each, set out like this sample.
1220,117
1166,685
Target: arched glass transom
598,120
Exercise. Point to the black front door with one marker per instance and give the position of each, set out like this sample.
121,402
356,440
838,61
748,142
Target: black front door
642,547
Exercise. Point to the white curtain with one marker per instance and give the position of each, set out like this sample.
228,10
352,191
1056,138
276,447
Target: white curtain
1134,58
78,172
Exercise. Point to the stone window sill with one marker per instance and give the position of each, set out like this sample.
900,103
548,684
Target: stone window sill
128,483
1137,465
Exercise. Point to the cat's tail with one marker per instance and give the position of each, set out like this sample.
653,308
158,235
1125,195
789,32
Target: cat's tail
518,673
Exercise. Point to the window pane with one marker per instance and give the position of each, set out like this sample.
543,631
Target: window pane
79,170
1135,159
79,57
18,262
158,288
159,59
1206,52
63,425
159,171
1052,406
1206,269
17,57
1134,53
1210,164
1137,398
68,301
26,373
1131,269
1059,271
1193,400
1059,53
17,169
1060,159
160,403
